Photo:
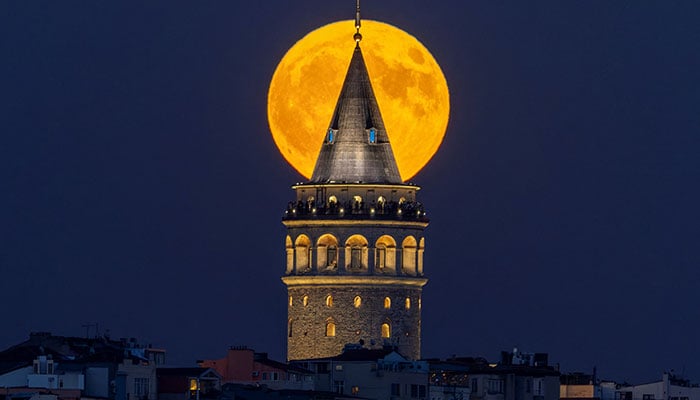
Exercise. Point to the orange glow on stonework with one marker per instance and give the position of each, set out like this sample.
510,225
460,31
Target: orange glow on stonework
407,81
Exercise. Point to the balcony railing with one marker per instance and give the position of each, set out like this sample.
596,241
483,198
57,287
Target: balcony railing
390,210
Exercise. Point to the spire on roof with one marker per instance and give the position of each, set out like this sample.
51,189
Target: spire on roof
357,36
356,147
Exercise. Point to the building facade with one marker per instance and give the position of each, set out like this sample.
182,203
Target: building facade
354,245
370,374
244,366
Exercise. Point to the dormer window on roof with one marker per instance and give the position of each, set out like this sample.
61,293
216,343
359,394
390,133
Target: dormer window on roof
373,135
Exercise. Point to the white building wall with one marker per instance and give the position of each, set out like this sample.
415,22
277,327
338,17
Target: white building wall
56,381
134,371
16,378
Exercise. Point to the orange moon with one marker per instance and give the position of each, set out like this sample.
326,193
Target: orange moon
409,85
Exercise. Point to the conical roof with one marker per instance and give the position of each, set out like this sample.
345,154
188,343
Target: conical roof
356,147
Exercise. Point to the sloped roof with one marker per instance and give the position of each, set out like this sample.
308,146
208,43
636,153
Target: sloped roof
356,147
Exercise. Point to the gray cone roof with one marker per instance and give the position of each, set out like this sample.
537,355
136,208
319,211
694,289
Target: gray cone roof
348,154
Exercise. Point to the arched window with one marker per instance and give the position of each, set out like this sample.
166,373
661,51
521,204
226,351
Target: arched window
356,253
305,300
290,301
329,301
381,203
303,253
387,302
327,252
409,255
289,247
386,330
330,329
357,302
332,200
385,254
357,203
408,303
421,250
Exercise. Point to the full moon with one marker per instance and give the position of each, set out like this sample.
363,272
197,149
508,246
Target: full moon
407,81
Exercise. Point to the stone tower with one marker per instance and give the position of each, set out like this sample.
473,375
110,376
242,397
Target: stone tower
354,238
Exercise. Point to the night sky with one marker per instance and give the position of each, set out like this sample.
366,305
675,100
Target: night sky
141,188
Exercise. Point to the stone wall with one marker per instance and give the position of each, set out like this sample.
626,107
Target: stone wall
307,333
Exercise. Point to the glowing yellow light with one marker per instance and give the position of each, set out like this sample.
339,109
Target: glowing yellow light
193,385
407,81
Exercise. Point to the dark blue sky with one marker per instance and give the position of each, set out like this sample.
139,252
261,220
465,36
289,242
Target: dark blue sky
141,188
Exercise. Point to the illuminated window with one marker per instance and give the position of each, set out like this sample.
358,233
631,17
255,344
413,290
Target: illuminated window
381,204
357,203
303,253
387,302
356,258
332,256
290,301
386,330
421,251
381,257
327,252
409,255
373,135
329,301
357,302
332,200
193,384
408,303
305,300
385,254
356,253
289,247
420,303
331,135
330,329
355,390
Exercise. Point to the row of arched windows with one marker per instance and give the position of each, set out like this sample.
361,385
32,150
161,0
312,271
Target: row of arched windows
356,254
331,328
356,302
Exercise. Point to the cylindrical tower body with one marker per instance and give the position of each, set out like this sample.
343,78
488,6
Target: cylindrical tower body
354,269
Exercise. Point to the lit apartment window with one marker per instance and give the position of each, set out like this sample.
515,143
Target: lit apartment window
387,302
329,301
290,301
305,301
408,303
